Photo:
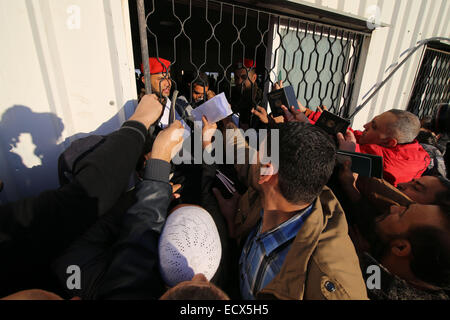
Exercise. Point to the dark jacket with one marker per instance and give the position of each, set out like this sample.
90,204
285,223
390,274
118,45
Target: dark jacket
118,256
394,288
437,164
34,231
244,100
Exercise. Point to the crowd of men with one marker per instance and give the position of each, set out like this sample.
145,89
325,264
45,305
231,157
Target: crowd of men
306,227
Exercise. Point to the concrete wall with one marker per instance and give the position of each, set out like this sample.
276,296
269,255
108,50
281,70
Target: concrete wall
67,68
406,22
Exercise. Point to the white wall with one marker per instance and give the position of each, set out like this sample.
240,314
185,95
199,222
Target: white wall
67,68
60,78
408,21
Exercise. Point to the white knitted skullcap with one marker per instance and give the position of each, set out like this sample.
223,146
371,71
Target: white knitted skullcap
189,244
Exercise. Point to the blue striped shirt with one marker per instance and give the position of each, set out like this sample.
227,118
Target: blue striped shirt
263,254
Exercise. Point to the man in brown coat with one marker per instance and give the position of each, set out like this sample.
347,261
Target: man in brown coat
293,229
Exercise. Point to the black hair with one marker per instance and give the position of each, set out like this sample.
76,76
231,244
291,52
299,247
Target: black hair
193,292
427,122
306,161
427,137
430,255
201,80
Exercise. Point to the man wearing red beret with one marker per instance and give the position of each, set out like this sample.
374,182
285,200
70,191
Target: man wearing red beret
159,76
161,84
245,95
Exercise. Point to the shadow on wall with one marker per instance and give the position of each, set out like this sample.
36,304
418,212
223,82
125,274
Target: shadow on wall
29,149
23,169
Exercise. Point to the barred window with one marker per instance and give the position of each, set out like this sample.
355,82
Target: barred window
432,84
208,36
317,61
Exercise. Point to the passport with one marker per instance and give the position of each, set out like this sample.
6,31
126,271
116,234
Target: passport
284,96
332,124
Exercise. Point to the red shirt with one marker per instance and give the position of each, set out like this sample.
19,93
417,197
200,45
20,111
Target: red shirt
401,163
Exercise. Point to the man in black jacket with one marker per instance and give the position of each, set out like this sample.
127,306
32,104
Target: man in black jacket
35,231
118,256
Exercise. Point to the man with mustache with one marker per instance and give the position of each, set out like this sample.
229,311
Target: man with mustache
245,95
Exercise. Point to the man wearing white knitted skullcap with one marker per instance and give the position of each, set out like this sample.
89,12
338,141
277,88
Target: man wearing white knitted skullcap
189,244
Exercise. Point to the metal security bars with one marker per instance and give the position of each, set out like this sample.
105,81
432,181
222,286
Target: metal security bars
320,61
432,85
394,67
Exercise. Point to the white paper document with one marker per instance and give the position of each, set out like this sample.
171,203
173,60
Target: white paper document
214,109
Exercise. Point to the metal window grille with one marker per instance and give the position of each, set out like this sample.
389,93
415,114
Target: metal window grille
318,60
432,84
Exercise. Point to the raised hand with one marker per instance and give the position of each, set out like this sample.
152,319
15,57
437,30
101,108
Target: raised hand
148,110
294,115
208,130
321,108
278,85
347,143
168,142
261,113
210,94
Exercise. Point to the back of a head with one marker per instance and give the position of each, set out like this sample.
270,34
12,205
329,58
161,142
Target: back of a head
441,118
406,127
189,244
307,158
426,137
33,294
427,122
194,292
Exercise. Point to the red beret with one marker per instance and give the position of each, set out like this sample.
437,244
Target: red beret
157,66
248,63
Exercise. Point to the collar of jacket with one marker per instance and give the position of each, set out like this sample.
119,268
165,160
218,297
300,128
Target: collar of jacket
316,257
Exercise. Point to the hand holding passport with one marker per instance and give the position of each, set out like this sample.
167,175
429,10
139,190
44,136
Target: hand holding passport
364,164
332,124
367,165
284,96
